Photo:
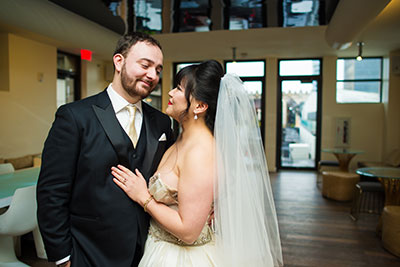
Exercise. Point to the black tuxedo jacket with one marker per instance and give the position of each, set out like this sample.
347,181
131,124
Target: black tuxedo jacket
81,212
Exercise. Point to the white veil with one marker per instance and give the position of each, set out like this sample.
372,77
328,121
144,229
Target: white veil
246,226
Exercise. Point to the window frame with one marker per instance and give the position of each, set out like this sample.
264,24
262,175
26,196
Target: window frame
361,80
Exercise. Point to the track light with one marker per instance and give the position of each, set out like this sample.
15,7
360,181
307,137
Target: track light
360,45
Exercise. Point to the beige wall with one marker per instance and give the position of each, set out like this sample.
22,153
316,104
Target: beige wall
4,63
392,109
367,120
27,107
28,104
93,75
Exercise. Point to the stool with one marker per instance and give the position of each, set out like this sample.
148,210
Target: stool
391,229
369,197
329,163
326,165
339,185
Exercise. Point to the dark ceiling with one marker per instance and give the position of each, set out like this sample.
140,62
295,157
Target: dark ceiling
96,11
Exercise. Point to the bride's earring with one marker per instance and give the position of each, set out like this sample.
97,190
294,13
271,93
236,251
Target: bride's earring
195,116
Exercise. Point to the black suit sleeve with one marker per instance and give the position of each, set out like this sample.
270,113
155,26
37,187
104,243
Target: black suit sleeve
56,177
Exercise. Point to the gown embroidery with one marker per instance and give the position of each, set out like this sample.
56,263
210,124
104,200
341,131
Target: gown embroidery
169,196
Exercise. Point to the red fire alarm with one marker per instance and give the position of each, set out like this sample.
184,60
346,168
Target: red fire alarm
86,54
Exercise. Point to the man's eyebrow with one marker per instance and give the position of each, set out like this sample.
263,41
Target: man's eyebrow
150,61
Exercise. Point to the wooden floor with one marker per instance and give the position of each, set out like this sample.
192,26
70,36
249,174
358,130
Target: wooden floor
314,231
319,232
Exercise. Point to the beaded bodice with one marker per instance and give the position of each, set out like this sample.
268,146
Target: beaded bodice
169,196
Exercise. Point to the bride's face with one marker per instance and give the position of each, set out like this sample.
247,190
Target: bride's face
177,103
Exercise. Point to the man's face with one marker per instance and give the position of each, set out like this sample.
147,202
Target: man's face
141,69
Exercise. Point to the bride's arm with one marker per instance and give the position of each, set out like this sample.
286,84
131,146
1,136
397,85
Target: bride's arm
195,196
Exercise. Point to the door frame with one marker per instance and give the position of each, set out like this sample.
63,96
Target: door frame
76,75
318,78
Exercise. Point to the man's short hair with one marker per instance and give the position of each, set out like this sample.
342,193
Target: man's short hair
130,39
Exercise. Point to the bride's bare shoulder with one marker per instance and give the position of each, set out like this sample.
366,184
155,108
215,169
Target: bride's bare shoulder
199,151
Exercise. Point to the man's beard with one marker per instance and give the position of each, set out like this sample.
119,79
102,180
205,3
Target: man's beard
130,85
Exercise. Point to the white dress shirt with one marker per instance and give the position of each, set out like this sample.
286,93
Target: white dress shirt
119,103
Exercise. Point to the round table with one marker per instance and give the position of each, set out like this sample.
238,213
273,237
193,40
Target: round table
343,156
389,177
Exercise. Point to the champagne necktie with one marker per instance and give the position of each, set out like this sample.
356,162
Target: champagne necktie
131,126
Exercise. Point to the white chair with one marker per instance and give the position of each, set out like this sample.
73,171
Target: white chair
19,219
299,151
6,168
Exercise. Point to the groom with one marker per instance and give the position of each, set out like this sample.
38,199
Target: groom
84,217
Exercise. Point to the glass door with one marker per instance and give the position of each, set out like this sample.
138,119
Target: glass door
68,78
299,118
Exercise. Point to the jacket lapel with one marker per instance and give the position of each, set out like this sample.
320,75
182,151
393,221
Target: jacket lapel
106,115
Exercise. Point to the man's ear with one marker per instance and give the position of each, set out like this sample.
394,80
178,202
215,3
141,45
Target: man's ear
118,60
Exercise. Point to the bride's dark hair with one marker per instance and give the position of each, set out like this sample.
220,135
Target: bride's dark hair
202,82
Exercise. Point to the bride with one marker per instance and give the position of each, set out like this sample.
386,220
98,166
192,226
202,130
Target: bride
210,199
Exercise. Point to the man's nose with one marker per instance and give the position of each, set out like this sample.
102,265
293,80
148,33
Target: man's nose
152,73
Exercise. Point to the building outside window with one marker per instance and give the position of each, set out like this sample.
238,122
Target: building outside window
298,13
192,16
359,81
148,16
113,6
242,14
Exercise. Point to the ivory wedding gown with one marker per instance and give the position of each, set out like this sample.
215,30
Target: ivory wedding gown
162,249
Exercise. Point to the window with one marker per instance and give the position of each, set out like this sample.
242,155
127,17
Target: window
246,68
301,13
306,67
243,14
358,81
192,16
114,7
180,66
148,16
